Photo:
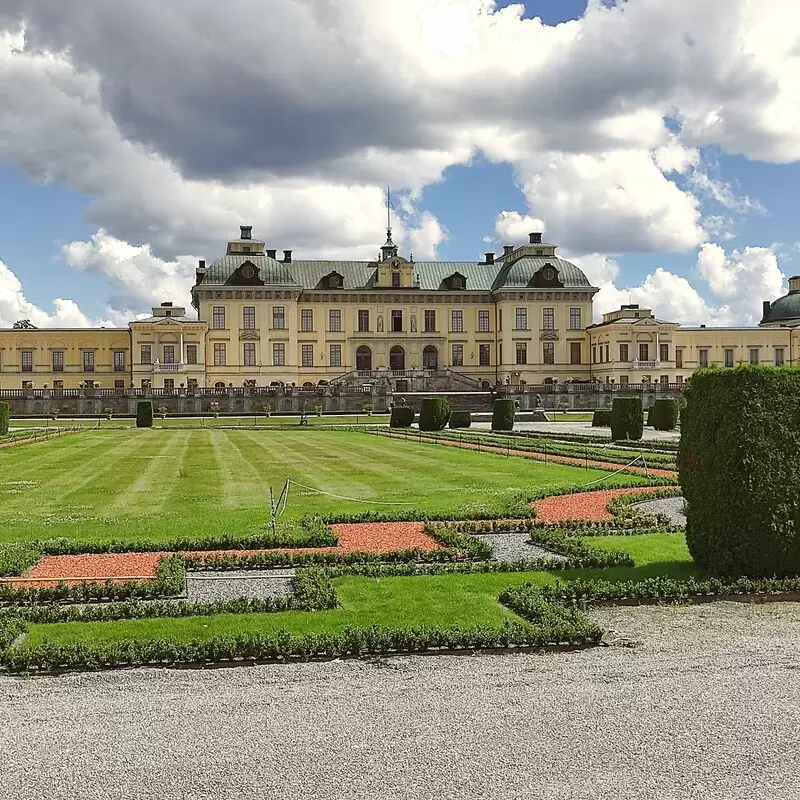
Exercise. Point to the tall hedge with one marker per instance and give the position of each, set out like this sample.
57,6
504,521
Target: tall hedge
4,414
503,412
434,413
460,419
402,417
664,414
144,414
601,418
627,418
739,468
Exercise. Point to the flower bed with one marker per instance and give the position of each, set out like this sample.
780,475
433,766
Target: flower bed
587,506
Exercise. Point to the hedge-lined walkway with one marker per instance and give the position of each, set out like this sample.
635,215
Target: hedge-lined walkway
363,537
549,457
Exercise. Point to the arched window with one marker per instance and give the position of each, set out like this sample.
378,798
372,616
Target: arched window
219,385
430,357
397,358
363,358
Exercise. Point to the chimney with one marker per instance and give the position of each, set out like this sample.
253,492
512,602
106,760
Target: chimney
167,304
272,253
246,231
508,248
200,272
287,256
765,307
536,238
489,258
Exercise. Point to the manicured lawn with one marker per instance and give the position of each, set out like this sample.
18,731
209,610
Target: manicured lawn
161,484
209,421
446,600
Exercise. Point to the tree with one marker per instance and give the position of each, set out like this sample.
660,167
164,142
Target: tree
23,325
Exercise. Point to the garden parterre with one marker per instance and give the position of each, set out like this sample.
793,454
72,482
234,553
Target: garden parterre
392,580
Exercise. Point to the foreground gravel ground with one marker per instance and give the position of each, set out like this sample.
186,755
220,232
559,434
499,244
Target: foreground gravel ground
707,706
671,507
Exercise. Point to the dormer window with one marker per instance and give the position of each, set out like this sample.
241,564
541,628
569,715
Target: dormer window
458,282
335,281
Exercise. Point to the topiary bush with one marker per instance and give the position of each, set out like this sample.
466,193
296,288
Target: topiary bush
503,412
663,414
601,418
434,413
402,417
144,414
627,418
460,419
739,470
4,416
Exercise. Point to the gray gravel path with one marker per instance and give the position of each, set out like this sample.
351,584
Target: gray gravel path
671,507
707,707
206,587
515,546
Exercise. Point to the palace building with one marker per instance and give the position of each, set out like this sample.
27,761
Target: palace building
523,317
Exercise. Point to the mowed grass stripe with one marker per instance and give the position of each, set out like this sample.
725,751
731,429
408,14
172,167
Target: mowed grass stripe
199,478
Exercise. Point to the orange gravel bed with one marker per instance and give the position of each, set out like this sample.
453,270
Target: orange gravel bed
371,537
589,506
535,456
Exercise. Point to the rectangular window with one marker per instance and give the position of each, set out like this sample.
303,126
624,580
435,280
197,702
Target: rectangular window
500,319
665,380
679,357
220,355
702,357
644,351
608,352
457,321
336,356
430,321
307,319
191,353
191,384
679,379
249,354
119,361
146,354
169,353
307,355
58,360
278,318
521,319
548,319
623,380
169,384
218,318
522,353
249,318
278,354
484,355
397,321
458,356
363,320
88,360
119,384
594,354
27,360
548,352
574,352
574,319
335,320
754,355
623,352
483,322
728,357
58,384
395,280
779,362
663,352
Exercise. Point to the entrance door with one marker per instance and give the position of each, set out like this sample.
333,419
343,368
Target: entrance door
430,357
363,358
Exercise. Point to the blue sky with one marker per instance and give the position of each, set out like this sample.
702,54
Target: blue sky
723,219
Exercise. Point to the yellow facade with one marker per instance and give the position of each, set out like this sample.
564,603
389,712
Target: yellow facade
524,317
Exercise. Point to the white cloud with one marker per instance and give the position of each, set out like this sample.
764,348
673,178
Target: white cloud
511,227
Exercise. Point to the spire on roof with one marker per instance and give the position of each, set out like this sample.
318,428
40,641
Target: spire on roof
389,248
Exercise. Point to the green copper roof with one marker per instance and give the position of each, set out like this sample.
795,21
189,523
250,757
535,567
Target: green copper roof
518,274
269,270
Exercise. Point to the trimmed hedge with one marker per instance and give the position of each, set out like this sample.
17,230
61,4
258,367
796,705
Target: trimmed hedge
4,417
739,468
601,418
503,413
663,415
434,413
627,418
460,419
402,417
144,414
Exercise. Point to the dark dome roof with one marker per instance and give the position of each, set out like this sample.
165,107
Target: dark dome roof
784,309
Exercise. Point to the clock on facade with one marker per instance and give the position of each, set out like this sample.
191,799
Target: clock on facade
248,271
395,265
